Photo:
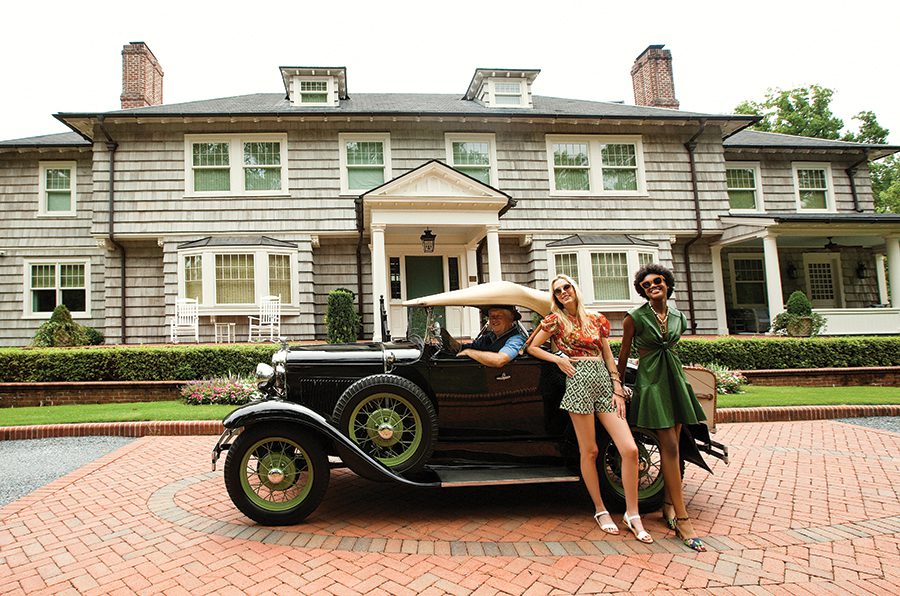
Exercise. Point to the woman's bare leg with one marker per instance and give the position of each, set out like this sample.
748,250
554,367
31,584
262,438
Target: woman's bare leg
671,469
621,435
588,450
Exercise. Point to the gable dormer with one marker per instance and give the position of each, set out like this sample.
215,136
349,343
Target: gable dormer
502,87
315,86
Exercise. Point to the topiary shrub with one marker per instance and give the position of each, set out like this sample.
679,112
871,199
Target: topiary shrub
60,331
798,320
341,318
95,338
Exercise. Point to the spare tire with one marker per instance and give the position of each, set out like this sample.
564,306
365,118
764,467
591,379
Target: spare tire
391,419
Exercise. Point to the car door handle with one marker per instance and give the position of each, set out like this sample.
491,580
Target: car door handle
503,377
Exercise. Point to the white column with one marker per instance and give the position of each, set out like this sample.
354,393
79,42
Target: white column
719,289
773,276
893,262
379,277
881,276
471,321
493,246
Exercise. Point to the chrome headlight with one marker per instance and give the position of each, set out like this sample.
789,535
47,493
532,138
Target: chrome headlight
279,357
264,372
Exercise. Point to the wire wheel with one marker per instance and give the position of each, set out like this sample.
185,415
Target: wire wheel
651,487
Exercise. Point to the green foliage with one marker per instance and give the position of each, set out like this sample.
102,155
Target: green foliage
798,319
803,111
60,330
130,363
869,130
95,338
229,390
727,381
798,304
341,318
885,175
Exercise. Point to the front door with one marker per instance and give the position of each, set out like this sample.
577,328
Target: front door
424,276
823,280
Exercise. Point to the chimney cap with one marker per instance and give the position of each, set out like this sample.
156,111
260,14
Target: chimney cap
657,46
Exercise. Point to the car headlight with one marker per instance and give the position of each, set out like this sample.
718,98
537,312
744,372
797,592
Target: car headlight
264,372
279,357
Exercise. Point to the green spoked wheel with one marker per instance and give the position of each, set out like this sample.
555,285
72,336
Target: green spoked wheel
389,418
276,475
651,487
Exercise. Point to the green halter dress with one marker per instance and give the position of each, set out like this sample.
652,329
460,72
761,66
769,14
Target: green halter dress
662,396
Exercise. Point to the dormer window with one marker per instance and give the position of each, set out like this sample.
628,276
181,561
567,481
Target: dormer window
313,91
315,86
502,88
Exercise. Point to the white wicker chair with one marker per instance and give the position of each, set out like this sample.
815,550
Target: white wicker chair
186,319
268,322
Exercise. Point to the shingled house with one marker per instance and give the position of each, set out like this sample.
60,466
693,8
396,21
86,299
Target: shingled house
297,192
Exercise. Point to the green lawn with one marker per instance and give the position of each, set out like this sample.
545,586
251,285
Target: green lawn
758,396
173,410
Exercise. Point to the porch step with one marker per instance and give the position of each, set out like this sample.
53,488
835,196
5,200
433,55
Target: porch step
485,476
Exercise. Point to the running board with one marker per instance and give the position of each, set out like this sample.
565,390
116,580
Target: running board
450,477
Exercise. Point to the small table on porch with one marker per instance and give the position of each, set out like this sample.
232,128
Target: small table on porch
224,332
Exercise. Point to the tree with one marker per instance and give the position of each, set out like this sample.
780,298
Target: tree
803,111
869,130
885,175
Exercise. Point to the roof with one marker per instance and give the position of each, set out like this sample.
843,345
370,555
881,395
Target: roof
600,239
236,241
821,218
62,139
755,139
489,294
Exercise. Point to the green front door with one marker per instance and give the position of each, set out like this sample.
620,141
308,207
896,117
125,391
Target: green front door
424,276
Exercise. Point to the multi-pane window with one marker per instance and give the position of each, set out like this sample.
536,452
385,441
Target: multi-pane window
57,188
619,166
742,187
52,284
262,166
566,264
252,164
280,277
812,188
193,277
571,166
365,162
749,281
584,164
610,275
453,273
645,258
396,286
235,279
313,91
508,94
820,277
474,159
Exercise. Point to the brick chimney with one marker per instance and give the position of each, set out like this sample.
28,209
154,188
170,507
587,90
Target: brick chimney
142,77
651,76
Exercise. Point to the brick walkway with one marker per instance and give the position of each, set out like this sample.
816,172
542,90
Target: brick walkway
804,508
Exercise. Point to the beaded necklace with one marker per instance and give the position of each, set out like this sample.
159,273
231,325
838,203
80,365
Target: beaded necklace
661,320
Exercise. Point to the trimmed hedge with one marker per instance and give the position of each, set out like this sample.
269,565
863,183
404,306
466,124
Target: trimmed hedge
206,362
130,363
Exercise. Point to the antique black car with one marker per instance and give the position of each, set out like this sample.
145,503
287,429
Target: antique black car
410,411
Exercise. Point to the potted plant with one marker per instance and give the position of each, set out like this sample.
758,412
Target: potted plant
798,320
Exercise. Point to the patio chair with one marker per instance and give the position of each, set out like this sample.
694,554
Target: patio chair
186,319
268,322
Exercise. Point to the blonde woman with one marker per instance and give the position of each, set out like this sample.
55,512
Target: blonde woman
593,389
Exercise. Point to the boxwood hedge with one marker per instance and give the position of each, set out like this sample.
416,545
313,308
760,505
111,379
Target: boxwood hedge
163,363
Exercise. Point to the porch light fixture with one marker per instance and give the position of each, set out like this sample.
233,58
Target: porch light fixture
791,270
427,240
862,271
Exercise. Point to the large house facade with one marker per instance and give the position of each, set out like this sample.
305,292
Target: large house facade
299,192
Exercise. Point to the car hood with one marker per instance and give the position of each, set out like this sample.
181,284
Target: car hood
355,353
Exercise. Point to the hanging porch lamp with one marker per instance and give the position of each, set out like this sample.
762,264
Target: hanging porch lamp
427,239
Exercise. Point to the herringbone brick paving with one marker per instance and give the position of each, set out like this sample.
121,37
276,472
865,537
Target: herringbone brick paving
804,508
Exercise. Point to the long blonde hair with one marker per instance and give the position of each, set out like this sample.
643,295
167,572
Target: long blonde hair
556,308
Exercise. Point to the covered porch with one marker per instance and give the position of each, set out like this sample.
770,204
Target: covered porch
848,265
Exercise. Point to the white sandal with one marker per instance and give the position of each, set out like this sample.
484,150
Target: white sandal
609,528
643,535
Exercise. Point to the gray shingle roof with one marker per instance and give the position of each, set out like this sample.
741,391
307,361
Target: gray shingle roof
756,139
61,139
600,239
823,218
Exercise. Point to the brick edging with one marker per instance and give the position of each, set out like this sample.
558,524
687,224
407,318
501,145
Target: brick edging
214,427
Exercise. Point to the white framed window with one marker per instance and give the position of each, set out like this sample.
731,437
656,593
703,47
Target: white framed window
506,93
365,161
748,279
237,278
315,91
813,186
51,282
742,179
473,154
604,273
250,164
56,188
583,165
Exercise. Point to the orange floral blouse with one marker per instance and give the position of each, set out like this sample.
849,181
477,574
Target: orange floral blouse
580,342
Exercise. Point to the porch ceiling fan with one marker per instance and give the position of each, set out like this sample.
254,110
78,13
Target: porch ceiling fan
833,246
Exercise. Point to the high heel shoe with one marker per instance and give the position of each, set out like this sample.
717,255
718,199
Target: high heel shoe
692,543
643,535
669,521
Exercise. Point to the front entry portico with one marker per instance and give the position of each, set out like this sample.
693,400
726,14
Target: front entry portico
460,211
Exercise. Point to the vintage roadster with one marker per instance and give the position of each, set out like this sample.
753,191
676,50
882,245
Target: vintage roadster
412,412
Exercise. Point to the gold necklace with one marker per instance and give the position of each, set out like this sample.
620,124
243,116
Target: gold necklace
662,320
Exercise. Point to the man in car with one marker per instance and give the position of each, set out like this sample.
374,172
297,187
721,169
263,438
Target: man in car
496,347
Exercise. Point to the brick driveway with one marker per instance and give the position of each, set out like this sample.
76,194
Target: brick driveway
804,507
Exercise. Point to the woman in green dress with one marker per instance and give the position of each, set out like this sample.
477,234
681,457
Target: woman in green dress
663,399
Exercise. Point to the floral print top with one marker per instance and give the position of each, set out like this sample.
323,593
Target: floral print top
580,342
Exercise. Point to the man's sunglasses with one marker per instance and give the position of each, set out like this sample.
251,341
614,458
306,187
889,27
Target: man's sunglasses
656,281
562,288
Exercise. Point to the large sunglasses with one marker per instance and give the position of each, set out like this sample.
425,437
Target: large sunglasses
563,288
656,281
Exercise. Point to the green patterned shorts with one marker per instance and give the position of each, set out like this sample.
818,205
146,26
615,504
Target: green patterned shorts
590,390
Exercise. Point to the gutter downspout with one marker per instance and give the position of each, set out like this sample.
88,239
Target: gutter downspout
358,204
851,174
691,147
111,147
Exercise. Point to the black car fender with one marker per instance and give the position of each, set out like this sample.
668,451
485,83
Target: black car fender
282,411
